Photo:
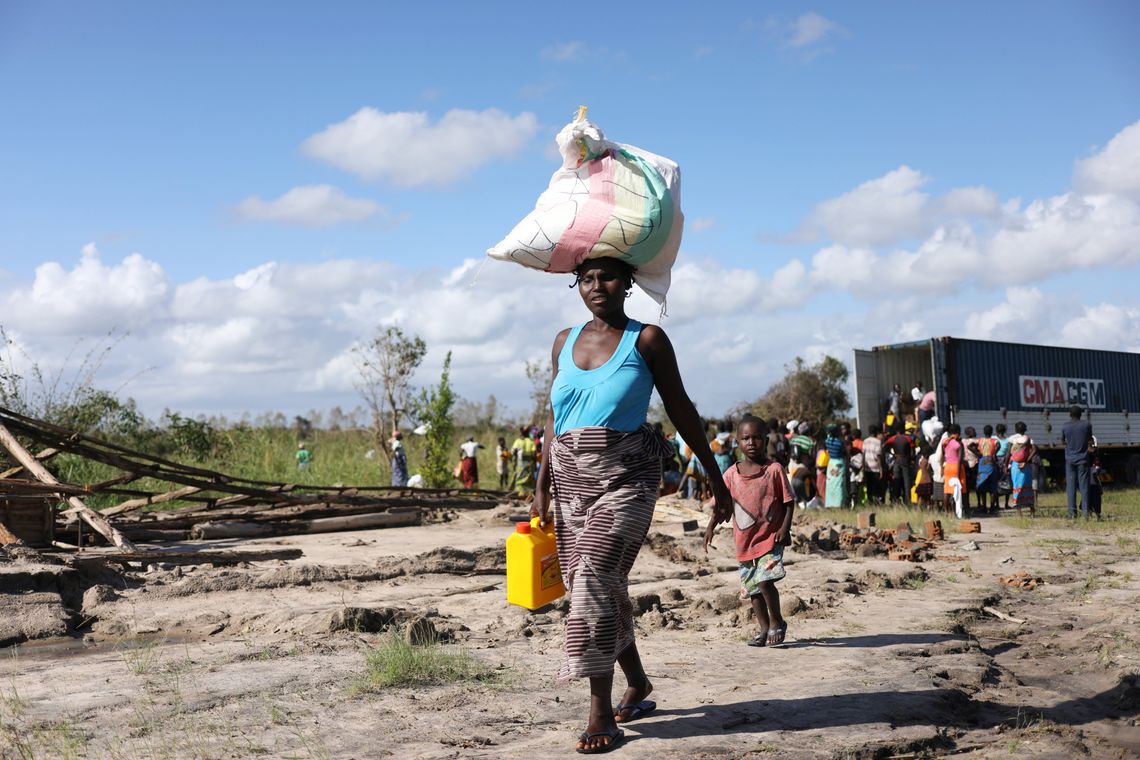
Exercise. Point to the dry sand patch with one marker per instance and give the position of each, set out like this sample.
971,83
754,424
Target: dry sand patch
885,658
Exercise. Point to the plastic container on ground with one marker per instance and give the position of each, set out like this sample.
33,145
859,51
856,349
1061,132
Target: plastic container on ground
533,576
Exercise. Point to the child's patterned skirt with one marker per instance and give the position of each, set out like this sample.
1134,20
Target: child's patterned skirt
753,572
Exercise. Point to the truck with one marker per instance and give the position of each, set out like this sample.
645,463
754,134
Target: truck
983,382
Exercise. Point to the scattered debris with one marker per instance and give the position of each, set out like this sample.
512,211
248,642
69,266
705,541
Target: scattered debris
933,530
969,526
866,520
1021,580
970,546
1002,616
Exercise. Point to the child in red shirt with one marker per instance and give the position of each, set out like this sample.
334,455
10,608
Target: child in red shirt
761,527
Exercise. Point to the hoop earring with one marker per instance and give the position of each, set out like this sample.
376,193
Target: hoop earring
628,293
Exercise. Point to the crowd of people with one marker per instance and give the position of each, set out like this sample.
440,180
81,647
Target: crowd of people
908,460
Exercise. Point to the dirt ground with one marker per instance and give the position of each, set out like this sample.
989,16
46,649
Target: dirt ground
885,658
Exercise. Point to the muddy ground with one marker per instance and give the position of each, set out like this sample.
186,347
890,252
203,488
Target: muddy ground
885,658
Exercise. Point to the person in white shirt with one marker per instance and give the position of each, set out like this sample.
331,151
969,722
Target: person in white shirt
468,465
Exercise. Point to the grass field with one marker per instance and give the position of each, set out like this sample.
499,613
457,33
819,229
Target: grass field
340,457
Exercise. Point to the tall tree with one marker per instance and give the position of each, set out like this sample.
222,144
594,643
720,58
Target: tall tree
433,410
540,374
816,392
385,366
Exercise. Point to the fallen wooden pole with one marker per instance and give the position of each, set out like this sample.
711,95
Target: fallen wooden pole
1002,616
162,498
185,557
43,456
245,529
90,516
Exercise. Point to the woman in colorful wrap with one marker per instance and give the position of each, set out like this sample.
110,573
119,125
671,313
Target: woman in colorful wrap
601,475
835,494
525,452
987,471
1022,450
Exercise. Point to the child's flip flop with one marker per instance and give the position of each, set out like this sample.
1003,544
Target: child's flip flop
759,640
640,710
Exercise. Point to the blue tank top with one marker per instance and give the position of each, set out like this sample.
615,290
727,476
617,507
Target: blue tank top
614,395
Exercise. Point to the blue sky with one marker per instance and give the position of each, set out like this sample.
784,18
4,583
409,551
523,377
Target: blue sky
143,128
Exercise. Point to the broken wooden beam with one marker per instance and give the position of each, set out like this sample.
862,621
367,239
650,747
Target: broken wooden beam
43,456
191,557
162,498
247,529
90,516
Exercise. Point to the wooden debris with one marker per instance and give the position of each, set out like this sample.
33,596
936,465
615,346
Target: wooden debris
969,526
219,505
146,501
43,456
90,516
192,557
246,529
1002,616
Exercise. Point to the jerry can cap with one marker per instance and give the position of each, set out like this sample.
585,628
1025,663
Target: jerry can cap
522,527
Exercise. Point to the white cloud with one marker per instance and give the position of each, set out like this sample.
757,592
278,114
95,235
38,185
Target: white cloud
311,205
1025,310
878,211
406,148
1107,326
564,51
90,298
1116,168
967,237
700,224
810,28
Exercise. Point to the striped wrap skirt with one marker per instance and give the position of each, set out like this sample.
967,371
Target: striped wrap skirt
604,486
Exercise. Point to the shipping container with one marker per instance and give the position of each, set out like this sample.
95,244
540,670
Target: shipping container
979,382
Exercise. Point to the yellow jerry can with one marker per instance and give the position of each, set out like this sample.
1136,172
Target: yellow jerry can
533,576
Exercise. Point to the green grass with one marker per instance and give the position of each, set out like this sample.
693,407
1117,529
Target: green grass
395,663
267,454
885,516
1120,510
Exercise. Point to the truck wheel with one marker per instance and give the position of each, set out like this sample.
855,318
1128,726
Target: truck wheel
1132,470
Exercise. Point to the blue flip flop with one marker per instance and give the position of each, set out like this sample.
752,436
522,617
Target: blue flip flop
616,737
640,710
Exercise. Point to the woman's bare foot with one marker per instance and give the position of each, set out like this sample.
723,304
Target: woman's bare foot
633,696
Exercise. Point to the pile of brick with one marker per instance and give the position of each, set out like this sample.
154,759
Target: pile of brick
900,543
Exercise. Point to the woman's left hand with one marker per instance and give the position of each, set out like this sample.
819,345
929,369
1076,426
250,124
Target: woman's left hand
722,512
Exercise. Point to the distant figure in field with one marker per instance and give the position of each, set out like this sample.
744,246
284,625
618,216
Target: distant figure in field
399,462
525,453
303,456
468,464
503,463
1076,435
